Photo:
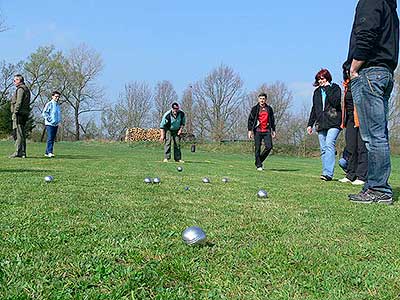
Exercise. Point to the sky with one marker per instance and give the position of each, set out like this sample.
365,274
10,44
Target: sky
182,41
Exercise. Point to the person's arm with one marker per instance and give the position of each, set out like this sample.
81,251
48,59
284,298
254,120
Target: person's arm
183,122
367,22
334,96
162,134
20,96
250,123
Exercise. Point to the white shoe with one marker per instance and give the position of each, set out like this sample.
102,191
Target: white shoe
344,180
49,155
358,182
165,160
260,169
180,161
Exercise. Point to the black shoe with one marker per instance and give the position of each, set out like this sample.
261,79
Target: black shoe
371,196
325,178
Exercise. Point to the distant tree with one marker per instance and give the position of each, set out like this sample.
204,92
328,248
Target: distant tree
3,26
164,96
7,72
187,107
394,110
132,110
216,99
81,70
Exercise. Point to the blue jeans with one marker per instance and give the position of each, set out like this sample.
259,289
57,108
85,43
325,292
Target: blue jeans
51,137
371,92
327,144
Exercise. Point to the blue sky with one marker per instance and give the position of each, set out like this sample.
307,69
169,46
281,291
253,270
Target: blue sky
182,41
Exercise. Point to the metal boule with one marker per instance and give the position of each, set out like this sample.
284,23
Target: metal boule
194,236
206,180
262,194
156,180
49,178
179,168
148,180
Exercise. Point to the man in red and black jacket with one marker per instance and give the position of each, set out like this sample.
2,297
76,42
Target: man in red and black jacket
261,126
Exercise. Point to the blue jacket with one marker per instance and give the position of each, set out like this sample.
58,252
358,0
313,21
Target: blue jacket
52,113
169,122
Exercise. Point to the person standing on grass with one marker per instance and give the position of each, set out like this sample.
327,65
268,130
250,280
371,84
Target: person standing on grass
261,126
52,118
326,116
20,110
371,61
171,127
357,166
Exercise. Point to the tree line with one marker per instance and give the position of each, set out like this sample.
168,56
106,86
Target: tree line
216,106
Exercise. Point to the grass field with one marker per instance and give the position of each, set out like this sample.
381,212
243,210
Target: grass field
99,232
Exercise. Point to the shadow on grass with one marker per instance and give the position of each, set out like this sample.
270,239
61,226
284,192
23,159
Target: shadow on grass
23,170
285,170
78,156
396,194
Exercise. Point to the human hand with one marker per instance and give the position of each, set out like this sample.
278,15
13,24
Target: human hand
250,134
309,130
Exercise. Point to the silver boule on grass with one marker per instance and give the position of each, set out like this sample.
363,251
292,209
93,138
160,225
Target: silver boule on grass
206,180
49,178
148,180
157,180
262,194
187,188
194,236
179,168
225,180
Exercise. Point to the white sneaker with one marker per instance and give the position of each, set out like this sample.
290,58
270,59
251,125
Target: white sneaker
260,169
165,160
49,155
358,182
344,180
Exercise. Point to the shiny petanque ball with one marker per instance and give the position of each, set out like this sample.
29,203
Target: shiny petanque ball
187,188
180,169
148,180
156,180
49,178
225,180
206,180
194,236
262,194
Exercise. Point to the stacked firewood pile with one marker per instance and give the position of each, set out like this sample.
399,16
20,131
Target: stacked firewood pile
139,134
153,134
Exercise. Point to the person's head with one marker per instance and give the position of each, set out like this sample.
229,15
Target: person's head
18,79
322,78
175,107
262,99
55,95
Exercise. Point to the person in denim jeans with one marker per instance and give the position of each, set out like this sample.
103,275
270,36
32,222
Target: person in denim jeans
52,118
372,59
326,116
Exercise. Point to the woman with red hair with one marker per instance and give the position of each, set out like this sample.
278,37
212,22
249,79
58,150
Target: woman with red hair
326,116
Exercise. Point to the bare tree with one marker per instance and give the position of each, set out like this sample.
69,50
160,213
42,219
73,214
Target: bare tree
187,107
394,110
7,72
82,92
165,95
3,26
217,97
132,110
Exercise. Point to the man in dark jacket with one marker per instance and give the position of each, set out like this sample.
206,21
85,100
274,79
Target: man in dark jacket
372,59
20,109
261,125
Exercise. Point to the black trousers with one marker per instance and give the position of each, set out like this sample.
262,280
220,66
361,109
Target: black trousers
358,155
258,138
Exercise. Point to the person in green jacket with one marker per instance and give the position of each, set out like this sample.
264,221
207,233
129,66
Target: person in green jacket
171,127
20,109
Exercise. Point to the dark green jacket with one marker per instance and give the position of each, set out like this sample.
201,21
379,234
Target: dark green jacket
20,104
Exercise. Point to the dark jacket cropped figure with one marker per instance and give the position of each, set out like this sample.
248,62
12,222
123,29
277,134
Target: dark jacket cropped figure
372,59
357,166
325,115
261,125
20,110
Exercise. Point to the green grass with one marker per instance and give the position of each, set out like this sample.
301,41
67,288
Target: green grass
99,232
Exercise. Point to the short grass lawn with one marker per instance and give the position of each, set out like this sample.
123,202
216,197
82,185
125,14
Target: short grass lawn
99,232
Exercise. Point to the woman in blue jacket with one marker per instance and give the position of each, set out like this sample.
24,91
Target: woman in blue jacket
52,118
